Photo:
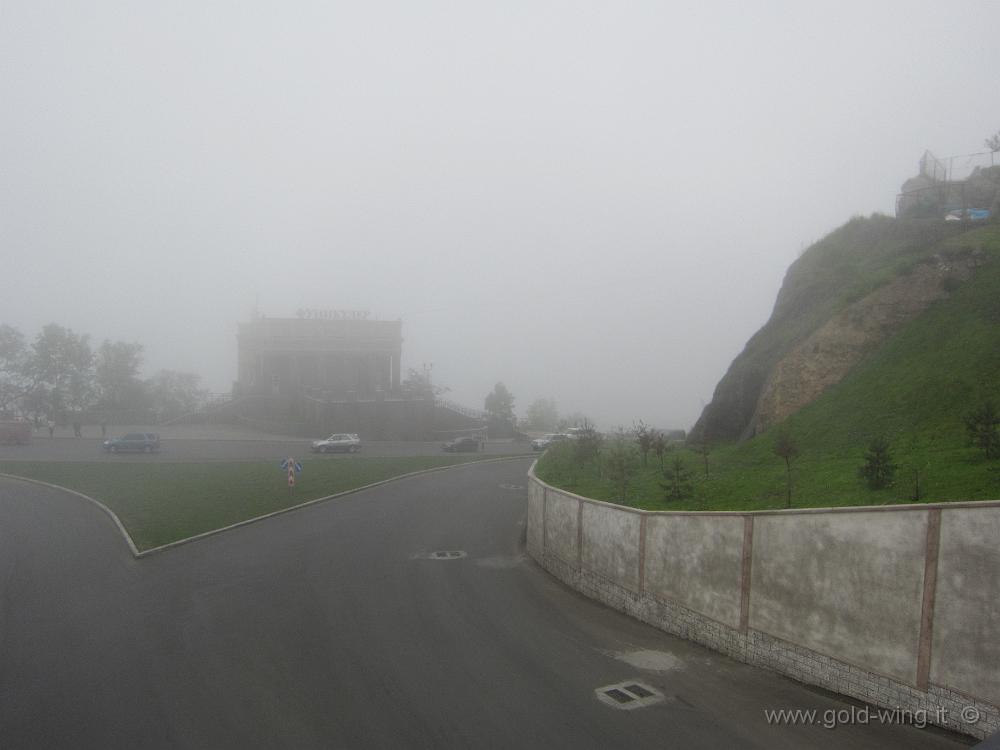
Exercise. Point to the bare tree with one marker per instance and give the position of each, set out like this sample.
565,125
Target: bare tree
993,144
587,446
644,435
704,447
660,446
785,447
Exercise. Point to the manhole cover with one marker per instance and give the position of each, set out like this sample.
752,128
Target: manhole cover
447,554
628,695
513,487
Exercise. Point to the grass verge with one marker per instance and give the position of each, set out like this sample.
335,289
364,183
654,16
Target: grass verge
750,477
163,503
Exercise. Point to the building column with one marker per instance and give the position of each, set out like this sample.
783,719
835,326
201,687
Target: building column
395,357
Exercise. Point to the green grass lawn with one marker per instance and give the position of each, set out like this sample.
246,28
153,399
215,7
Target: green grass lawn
750,477
163,502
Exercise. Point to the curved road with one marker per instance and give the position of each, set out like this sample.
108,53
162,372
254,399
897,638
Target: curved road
335,627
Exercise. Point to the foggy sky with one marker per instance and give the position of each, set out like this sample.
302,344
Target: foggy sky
594,202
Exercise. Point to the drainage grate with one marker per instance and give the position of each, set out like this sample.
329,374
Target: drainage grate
639,690
448,554
619,695
628,695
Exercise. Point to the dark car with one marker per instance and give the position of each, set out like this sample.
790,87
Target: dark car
462,445
135,442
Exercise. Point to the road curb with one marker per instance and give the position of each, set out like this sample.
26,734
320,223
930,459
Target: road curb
246,522
98,503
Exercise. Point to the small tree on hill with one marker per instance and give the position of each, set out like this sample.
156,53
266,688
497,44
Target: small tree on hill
644,436
660,446
704,448
621,463
587,446
878,469
677,485
982,425
786,448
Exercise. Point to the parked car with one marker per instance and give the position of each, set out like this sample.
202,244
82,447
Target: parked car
340,442
462,445
544,442
969,214
133,442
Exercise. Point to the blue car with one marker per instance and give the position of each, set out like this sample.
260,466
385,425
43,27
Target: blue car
133,442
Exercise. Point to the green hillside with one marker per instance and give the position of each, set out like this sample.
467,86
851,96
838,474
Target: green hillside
914,390
840,269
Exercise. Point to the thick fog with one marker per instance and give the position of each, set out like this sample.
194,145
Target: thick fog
594,202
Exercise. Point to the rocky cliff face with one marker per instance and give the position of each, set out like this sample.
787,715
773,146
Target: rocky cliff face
827,355
843,299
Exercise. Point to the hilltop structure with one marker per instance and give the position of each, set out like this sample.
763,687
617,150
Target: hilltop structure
329,354
936,191
326,371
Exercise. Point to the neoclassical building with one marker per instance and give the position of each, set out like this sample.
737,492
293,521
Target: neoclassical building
330,354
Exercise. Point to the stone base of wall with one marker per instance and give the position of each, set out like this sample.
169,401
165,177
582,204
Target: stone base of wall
938,705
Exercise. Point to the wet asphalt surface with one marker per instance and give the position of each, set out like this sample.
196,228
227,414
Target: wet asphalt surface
336,627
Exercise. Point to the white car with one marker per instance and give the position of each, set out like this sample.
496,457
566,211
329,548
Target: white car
341,442
544,442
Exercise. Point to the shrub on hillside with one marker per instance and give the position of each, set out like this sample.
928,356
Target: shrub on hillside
678,480
982,425
878,469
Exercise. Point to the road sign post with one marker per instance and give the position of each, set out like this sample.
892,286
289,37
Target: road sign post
293,467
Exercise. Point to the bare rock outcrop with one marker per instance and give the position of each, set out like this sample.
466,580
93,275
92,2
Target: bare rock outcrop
829,353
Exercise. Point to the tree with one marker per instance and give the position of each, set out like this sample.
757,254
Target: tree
587,446
173,394
622,463
660,446
418,385
543,415
981,424
500,403
117,375
678,484
878,469
785,447
63,363
993,144
15,373
644,436
704,447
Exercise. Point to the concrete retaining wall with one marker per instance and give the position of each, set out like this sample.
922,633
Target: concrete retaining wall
898,606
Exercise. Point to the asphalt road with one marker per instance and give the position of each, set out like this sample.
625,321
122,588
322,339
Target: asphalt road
188,449
333,626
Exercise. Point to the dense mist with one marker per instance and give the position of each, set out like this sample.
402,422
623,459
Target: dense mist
591,202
